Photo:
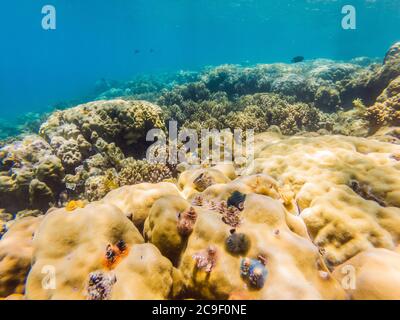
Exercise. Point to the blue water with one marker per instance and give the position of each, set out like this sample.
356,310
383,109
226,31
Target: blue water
97,39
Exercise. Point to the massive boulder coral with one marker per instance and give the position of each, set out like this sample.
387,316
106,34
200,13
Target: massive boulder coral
30,175
345,187
16,250
306,207
211,271
93,138
96,253
78,132
136,201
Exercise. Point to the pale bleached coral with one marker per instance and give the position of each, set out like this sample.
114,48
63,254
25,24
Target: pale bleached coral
16,249
79,262
136,201
371,275
345,187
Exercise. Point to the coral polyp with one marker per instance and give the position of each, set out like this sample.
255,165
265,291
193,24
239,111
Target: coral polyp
254,272
203,181
237,243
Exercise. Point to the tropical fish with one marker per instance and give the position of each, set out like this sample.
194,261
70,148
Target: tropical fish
298,59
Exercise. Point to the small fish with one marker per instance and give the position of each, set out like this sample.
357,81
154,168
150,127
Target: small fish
297,59
237,200
137,51
151,50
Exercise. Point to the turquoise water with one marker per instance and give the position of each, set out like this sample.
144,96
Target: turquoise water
121,39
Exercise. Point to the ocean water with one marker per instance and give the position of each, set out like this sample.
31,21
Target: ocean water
96,39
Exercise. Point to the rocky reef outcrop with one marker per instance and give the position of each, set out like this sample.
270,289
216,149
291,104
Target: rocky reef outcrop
78,153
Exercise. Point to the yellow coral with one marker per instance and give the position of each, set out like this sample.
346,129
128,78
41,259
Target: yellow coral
74,204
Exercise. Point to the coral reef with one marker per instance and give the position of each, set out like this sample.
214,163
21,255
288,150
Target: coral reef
371,81
87,276
386,110
30,175
306,207
318,204
326,173
16,250
83,152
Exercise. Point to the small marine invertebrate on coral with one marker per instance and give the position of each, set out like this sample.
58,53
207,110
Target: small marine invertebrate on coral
237,243
286,194
254,272
100,285
236,200
110,256
206,259
74,204
245,266
122,246
231,216
203,181
198,201
114,253
257,275
186,221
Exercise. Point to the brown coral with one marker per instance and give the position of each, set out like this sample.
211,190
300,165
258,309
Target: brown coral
186,221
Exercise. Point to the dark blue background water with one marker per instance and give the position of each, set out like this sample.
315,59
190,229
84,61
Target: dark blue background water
97,39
